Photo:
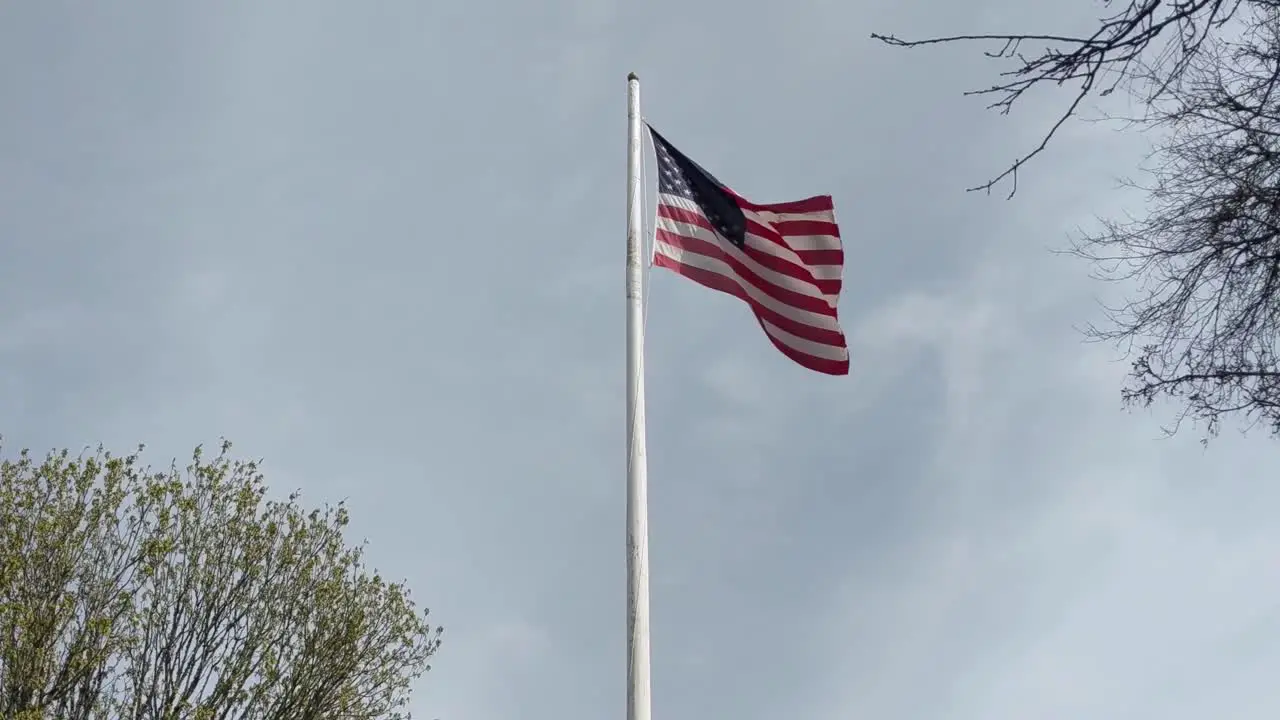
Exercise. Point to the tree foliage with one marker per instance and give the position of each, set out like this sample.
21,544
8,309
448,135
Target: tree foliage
128,593
1203,258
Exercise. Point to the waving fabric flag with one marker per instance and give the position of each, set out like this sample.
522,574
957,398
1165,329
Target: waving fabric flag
783,259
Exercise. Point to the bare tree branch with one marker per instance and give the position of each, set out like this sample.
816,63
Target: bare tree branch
1098,63
1201,263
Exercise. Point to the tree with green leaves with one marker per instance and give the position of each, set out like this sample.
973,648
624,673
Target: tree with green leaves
127,593
1202,261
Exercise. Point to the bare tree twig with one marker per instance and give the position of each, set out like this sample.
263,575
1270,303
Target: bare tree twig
1202,262
1119,41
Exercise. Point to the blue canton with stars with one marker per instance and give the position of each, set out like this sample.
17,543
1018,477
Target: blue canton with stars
678,175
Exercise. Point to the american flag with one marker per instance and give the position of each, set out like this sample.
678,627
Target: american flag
784,259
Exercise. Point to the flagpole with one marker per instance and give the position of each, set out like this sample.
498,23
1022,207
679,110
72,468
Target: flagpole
637,464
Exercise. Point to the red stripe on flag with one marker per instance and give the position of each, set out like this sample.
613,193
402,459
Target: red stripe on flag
801,271
724,284
816,204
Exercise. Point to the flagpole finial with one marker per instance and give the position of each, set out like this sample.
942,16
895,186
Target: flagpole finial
632,76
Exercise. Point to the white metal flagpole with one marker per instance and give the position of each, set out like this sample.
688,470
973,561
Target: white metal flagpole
637,464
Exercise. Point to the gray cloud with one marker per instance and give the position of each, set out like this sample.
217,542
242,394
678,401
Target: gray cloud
382,247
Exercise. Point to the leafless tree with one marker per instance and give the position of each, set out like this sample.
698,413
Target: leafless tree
1204,256
1160,37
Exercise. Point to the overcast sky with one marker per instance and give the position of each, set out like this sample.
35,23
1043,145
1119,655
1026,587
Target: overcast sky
381,246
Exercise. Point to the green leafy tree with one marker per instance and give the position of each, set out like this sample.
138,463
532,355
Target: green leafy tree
128,593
